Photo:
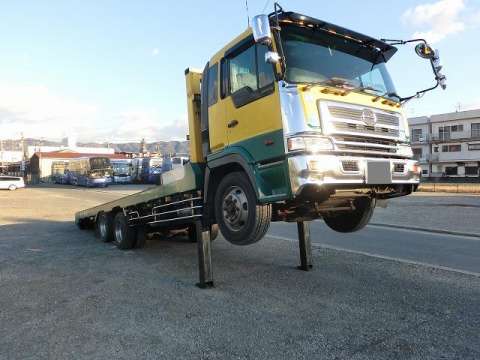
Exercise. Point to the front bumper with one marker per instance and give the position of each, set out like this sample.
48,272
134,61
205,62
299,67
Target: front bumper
324,170
122,179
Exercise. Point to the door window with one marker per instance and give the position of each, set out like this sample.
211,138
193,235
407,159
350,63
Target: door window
243,71
250,75
213,85
265,71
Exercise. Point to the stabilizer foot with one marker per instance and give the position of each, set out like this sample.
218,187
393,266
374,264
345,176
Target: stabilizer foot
305,246
205,273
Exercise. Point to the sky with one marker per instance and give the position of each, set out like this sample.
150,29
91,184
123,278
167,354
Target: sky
114,70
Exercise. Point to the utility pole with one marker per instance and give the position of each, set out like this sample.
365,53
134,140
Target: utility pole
1,156
24,155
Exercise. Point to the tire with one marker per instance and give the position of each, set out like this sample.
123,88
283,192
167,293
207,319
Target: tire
124,236
104,227
141,238
351,221
12,187
240,218
193,237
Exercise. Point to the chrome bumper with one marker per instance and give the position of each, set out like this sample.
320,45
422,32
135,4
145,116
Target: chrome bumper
321,170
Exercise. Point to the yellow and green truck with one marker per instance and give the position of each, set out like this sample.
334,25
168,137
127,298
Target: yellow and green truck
294,120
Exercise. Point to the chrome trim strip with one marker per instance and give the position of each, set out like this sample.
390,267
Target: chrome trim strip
180,218
176,202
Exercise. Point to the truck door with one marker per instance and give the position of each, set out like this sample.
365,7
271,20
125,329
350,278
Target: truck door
252,106
214,133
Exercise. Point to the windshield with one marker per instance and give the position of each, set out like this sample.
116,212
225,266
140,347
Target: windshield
121,168
156,163
100,163
318,57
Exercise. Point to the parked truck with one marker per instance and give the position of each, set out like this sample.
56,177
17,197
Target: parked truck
294,120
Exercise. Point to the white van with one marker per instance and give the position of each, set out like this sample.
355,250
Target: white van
11,182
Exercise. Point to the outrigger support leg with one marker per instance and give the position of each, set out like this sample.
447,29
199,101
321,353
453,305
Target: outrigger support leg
305,246
204,257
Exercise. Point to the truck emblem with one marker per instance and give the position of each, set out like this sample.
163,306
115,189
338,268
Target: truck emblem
369,117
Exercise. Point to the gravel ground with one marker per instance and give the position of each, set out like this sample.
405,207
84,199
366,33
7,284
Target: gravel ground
63,294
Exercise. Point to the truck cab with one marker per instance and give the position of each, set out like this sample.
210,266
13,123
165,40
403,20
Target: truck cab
305,115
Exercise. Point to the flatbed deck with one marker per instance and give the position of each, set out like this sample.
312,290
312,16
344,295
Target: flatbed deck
178,181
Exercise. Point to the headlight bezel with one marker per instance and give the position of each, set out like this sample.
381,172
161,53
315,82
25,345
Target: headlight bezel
310,144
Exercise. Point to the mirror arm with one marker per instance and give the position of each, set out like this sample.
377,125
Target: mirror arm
418,94
394,42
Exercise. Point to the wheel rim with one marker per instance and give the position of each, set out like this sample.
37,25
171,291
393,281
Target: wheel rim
103,228
12,187
235,208
118,232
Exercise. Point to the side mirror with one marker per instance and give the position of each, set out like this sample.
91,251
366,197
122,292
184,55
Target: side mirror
272,57
424,51
261,29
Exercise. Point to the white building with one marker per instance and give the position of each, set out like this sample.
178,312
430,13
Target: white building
10,156
447,145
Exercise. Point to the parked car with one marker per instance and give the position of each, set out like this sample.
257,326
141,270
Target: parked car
11,182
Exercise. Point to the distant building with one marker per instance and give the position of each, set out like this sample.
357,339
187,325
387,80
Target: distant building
10,156
79,149
44,165
447,145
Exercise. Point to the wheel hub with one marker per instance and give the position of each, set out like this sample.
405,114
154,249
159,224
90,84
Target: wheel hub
235,208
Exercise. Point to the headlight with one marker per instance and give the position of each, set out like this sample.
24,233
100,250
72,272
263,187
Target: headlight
310,144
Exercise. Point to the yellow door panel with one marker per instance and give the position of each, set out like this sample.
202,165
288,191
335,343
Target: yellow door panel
217,126
253,104
216,109
255,118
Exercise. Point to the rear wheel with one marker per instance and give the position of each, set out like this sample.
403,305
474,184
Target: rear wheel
12,187
241,220
124,236
104,227
141,238
350,221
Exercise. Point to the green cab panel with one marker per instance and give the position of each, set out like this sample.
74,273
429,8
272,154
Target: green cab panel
263,157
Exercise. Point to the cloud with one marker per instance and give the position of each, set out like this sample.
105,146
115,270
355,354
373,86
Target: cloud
37,112
439,19
148,124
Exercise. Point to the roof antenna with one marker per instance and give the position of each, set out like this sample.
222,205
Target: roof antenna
248,16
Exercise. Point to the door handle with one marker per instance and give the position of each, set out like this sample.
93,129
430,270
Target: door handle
232,124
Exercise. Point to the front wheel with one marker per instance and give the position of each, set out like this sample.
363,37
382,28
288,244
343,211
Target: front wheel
354,220
241,219
12,187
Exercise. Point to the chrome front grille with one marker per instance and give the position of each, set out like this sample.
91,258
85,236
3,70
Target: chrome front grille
354,144
364,129
360,129
346,113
